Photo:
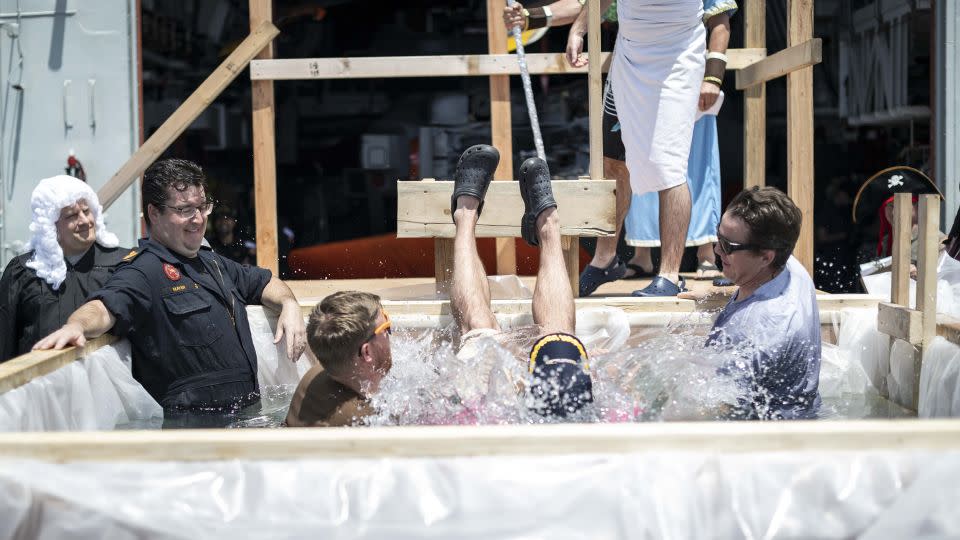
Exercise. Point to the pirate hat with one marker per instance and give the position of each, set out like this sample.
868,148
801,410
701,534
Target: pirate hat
885,184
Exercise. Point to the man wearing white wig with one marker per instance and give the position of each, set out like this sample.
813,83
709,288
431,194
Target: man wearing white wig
71,254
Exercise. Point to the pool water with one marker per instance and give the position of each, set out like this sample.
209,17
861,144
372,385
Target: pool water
657,375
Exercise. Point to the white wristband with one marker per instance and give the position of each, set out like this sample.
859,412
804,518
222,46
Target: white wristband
716,56
548,13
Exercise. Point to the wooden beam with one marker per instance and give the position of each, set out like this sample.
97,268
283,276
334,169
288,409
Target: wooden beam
455,65
459,441
22,369
927,256
900,249
800,172
264,153
570,246
595,93
586,209
755,100
826,303
806,54
443,263
900,322
948,328
186,113
501,130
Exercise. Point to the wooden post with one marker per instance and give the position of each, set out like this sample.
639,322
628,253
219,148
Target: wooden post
755,100
927,255
501,130
571,251
595,91
264,153
900,249
900,269
443,262
800,129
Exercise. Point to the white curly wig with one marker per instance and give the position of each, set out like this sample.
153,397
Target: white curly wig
50,197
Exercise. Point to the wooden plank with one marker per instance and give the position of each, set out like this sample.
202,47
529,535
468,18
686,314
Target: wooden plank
186,113
755,100
900,322
586,209
501,130
264,153
948,328
827,304
443,262
455,65
900,249
459,441
808,53
595,92
22,369
800,129
571,261
927,257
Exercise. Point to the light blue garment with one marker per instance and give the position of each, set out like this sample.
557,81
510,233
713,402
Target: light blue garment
703,179
778,328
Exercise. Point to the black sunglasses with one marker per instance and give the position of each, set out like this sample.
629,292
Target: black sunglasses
728,247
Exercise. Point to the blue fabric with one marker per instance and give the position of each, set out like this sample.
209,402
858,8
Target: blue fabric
703,179
778,328
716,7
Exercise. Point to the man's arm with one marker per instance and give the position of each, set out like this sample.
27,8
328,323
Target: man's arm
579,29
88,321
278,297
563,13
719,28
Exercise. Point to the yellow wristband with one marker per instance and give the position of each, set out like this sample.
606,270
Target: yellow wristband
715,80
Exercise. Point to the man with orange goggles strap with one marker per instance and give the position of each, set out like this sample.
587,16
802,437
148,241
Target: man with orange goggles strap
349,333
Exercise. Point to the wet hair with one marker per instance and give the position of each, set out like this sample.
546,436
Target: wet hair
772,219
339,325
167,174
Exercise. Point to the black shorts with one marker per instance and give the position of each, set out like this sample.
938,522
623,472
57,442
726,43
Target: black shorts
612,142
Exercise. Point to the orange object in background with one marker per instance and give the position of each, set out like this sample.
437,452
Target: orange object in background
387,256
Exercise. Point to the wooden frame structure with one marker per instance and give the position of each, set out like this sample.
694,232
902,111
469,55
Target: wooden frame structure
895,318
756,69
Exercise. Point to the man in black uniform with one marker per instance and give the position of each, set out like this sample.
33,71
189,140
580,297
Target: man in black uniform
70,255
182,306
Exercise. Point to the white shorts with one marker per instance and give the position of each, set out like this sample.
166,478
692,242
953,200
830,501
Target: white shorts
470,342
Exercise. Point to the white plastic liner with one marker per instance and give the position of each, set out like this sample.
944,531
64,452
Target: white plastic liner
940,380
274,368
95,393
860,339
948,286
907,494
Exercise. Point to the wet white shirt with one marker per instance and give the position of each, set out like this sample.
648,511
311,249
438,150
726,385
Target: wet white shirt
778,328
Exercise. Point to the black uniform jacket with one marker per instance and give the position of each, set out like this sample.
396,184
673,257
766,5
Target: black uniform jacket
30,309
187,322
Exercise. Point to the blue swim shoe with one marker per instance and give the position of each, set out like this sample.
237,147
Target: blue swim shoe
661,286
592,277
